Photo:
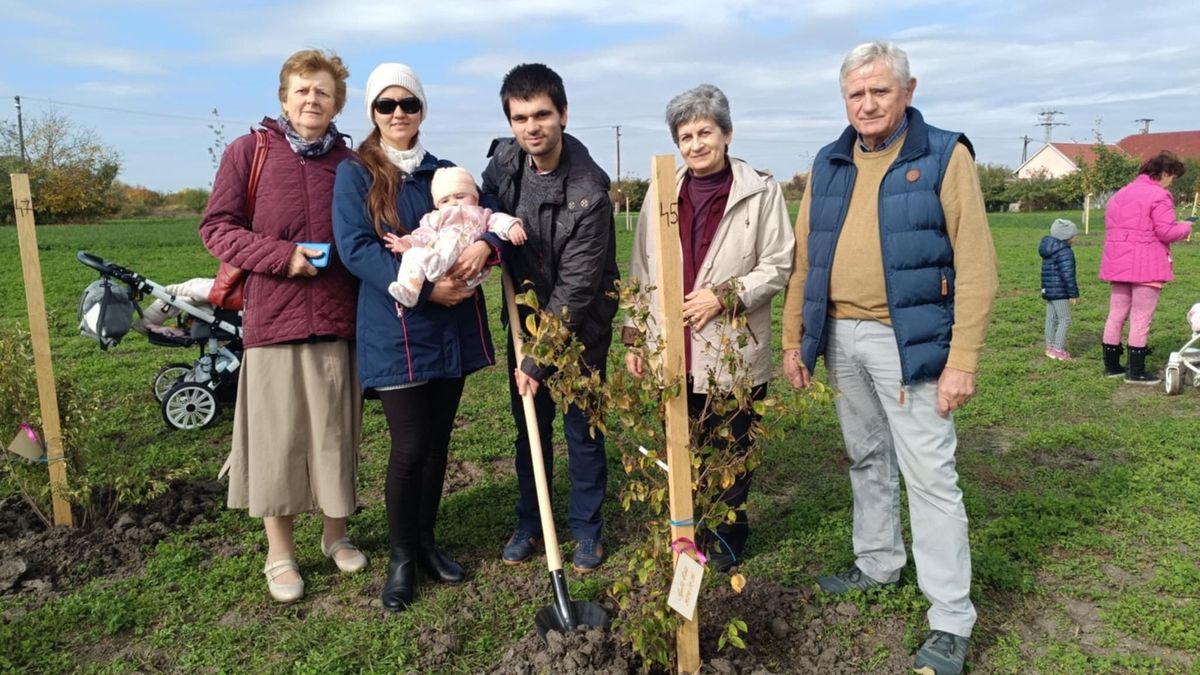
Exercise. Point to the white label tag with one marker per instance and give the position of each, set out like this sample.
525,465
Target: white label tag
685,587
25,445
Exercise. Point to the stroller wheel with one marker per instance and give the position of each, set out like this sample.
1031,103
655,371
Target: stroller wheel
188,405
166,378
1173,379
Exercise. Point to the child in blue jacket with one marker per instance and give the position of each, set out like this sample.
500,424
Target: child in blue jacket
1058,285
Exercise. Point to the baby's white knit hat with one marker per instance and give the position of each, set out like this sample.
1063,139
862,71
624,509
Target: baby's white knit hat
394,74
449,180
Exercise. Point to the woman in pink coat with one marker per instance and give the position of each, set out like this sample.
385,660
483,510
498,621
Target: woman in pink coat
1139,225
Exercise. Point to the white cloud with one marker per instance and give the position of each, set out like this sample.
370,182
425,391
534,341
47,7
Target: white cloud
118,89
77,54
983,68
18,12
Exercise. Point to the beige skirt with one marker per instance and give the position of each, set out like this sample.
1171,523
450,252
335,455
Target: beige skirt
296,430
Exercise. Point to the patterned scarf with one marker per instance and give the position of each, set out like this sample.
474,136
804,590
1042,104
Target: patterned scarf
405,160
306,148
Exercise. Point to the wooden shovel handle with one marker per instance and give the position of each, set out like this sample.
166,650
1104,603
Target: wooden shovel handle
553,556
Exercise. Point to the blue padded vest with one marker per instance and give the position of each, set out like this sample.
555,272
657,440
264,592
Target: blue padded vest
918,260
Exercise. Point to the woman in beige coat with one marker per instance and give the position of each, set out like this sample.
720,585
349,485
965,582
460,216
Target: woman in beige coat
735,238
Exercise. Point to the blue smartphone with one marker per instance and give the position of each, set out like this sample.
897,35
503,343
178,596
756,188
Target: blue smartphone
321,260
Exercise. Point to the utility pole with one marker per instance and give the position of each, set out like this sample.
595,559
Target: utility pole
21,136
1145,121
1047,117
618,130
1025,148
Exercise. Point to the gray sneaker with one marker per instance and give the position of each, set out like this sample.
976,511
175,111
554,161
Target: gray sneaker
852,579
942,654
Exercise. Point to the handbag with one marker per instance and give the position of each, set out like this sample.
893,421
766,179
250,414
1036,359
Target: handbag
228,289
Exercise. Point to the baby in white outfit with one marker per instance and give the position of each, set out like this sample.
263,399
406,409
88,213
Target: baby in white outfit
444,233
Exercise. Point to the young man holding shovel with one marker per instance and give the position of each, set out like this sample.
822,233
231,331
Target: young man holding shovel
548,179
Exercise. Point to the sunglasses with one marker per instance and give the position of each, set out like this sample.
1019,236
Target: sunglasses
386,106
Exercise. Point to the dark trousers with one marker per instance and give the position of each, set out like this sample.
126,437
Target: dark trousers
587,463
736,533
419,420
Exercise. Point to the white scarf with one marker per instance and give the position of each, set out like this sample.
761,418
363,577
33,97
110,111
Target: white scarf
405,160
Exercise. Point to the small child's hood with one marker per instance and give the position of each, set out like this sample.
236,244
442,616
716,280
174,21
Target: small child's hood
1050,246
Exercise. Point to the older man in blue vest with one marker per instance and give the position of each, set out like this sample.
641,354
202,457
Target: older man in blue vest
894,277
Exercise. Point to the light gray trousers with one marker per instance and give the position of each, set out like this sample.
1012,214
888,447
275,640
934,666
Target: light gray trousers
887,437
1058,320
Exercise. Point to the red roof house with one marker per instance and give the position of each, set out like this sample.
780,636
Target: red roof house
1144,146
1055,160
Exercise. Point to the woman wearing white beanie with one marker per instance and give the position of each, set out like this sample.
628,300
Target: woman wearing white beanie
415,359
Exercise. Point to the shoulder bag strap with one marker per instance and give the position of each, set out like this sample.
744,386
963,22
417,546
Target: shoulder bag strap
261,141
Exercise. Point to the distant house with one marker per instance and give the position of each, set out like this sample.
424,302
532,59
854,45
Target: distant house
1055,160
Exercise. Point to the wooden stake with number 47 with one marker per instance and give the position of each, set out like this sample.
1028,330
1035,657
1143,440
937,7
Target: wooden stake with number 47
39,331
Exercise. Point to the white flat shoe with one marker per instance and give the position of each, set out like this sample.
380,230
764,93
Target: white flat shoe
283,592
353,563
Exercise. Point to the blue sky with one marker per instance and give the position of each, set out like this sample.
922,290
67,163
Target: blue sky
984,68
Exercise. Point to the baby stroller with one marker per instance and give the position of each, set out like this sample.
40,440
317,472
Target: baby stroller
188,394
1185,363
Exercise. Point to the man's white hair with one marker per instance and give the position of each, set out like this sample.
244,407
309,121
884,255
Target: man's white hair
868,52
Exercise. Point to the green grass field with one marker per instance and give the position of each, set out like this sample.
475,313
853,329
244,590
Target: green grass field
1083,495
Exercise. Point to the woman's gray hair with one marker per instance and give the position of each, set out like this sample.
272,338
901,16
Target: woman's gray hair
704,102
868,52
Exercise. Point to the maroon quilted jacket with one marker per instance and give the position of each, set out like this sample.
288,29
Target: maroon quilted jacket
294,202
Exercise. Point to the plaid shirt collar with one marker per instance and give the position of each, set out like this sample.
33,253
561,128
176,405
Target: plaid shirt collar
887,141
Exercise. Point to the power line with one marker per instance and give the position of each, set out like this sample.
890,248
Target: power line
146,113
224,120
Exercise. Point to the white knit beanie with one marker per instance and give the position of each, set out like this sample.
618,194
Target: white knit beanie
449,180
394,74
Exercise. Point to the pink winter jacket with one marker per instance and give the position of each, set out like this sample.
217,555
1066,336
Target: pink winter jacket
1139,225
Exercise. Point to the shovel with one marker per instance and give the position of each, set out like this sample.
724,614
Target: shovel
565,615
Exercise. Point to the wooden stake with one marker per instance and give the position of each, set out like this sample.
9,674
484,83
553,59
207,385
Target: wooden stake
679,460
1087,211
39,331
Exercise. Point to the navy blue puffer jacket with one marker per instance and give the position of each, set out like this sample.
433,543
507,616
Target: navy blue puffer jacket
1058,269
396,344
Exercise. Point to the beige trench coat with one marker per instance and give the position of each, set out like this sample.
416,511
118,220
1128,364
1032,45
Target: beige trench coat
753,245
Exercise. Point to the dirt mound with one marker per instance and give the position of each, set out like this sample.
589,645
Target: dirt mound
584,651
787,633
43,560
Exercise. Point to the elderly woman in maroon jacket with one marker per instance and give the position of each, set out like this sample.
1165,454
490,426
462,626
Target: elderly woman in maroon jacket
296,426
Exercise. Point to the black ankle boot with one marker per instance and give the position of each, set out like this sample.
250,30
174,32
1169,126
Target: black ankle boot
1137,367
1112,361
401,581
440,567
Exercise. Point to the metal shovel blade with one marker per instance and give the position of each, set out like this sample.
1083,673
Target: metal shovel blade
587,615
566,615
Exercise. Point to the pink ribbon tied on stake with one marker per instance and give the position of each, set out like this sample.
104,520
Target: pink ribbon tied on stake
682,545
